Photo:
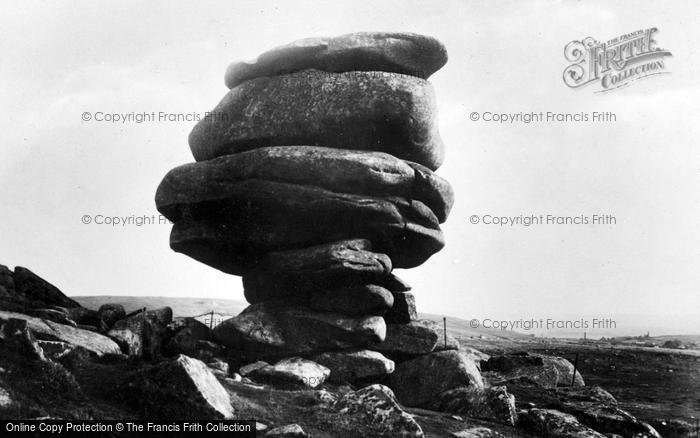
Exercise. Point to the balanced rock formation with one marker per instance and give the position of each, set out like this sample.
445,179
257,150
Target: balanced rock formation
315,178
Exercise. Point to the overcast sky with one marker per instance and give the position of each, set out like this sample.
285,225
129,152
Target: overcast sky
61,59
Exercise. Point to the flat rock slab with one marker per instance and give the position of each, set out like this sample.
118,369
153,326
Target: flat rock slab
537,369
419,382
377,409
179,388
292,371
405,53
52,331
268,330
493,404
340,170
355,366
366,299
258,217
370,111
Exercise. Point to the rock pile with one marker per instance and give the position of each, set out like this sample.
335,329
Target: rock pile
314,179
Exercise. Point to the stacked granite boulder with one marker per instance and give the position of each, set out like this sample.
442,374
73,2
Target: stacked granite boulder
314,179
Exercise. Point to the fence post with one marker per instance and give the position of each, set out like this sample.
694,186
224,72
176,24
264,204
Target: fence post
573,378
211,320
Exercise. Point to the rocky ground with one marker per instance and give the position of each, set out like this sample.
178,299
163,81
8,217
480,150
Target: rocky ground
81,363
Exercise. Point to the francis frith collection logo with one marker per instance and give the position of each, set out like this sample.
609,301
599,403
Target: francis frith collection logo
616,62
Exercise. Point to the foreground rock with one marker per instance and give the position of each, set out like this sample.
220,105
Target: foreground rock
536,369
356,366
338,170
268,330
178,388
494,404
383,112
51,331
404,53
288,431
32,287
376,407
293,371
555,424
142,334
419,382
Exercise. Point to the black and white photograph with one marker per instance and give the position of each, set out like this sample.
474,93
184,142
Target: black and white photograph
392,218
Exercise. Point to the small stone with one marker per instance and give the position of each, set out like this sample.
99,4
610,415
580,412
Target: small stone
292,371
247,369
288,431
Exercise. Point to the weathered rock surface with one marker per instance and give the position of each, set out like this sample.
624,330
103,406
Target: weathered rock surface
288,431
419,382
538,369
292,275
32,287
355,366
403,310
54,315
186,339
142,334
367,299
16,336
555,424
414,339
376,407
494,404
233,234
405,53
48,330
378,111
338,170
109,314
273,330
292,371
178,388
7,282
249,368
84,316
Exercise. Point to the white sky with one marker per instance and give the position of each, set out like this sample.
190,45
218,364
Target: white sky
60,59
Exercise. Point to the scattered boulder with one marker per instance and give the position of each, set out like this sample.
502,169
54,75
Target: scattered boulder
269,330
32,287
413,339
384,112
375,407
355,366
142,334
293,371
247,369
404,53
51,331
110,313
83,316
16,336
493,404
555,424
178,388
419,382
187,336
403,310
288,431
219,367
538,369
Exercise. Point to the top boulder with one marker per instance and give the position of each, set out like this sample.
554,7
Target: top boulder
404,53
